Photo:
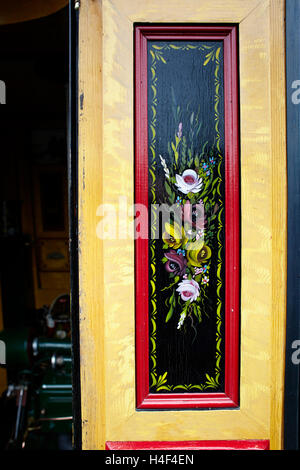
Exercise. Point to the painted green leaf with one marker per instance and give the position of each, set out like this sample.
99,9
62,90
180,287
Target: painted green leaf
170,314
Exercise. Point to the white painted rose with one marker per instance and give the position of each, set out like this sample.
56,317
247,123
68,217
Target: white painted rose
188,290
189,182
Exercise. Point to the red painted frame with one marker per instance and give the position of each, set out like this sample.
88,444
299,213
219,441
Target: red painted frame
255,444
144,399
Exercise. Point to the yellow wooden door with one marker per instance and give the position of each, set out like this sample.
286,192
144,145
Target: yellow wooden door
107,265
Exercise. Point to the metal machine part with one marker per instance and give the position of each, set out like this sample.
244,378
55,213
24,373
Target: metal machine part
38,399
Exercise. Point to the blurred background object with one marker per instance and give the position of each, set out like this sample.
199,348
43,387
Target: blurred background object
36,406
36,381
16,11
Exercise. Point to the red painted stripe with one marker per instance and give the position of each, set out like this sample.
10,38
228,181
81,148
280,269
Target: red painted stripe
232,217
141,197
257,444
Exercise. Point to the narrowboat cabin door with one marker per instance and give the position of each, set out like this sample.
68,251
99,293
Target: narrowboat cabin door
182,223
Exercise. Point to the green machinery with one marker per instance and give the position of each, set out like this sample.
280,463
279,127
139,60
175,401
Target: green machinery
36,408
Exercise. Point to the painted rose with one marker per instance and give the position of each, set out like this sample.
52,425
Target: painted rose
194,215
176,263
174,235
188,290
189,182
198,253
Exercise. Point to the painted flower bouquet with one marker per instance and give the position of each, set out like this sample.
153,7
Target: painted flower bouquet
189,237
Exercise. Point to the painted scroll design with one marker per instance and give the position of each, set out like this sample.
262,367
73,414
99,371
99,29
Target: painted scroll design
194,181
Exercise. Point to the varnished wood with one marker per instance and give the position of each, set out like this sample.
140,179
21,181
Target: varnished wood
264,230
106,268
279,219
91,184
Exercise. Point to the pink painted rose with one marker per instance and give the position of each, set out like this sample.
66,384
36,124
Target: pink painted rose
189,182
188,290
194,215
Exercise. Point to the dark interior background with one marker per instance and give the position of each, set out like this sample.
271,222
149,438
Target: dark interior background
34,264
33,129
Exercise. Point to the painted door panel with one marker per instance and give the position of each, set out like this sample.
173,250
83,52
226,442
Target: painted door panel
191,346
107,264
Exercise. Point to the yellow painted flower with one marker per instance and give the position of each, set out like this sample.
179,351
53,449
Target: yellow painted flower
198,253
174,235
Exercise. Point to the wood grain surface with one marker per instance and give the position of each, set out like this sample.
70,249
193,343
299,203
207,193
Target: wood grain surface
107,304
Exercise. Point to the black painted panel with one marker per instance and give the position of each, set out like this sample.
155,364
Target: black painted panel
186,172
